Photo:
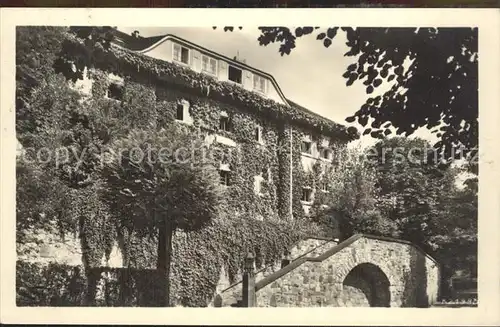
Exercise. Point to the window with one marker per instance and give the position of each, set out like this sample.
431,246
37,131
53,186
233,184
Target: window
306,147
181,54
224,177
182,112
306,194
115,91
259,83
261,181
235,74
325,153
258,134
324,186
209,65
224,124
257,184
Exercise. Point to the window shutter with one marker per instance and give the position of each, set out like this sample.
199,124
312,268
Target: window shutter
223,71
195,60
248,80
177,52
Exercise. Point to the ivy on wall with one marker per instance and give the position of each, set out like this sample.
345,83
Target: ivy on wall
198,256
124,62
151,92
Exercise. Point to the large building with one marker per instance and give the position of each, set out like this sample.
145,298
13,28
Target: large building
285,154
277,155
243,107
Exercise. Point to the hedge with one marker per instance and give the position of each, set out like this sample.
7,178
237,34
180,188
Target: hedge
63,285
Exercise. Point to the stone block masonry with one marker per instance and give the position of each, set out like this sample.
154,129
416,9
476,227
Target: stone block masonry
364,270
230,294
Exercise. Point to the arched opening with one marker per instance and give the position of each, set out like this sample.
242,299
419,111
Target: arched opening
366,285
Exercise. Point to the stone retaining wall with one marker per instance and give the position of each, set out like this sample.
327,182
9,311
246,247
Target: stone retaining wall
231,293
397,273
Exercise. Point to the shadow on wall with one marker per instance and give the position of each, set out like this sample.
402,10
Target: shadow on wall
366,285
415,283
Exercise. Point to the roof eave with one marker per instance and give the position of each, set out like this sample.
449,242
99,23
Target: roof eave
213,53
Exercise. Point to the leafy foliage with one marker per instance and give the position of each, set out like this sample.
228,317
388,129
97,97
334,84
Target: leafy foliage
433,72
63,285
36,50
153,175
399,188
52,285
456,241
413,187
53,115
124,62
352,198
159,191
40,197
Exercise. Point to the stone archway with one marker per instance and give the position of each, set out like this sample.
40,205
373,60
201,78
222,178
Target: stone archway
366,285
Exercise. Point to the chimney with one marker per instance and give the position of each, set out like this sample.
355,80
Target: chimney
238,58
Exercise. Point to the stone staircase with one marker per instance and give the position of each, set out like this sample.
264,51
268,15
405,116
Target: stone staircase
231,296
363,270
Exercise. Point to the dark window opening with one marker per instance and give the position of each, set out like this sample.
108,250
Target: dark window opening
325,153
235,74
224,177
115,91
306,147
181,54
258,134
185,55
306,194
180,112
224,124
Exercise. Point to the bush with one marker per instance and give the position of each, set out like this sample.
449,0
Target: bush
49,285
63,285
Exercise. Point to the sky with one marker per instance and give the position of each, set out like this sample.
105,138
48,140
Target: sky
311,75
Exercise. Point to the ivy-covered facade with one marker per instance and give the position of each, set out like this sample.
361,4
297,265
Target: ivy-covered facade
278,154
269,153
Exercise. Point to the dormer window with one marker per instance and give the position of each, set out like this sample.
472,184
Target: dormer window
208,65
181,54
259,83
306,147
235,74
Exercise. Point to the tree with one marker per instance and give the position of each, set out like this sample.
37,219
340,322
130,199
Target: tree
155,184
45,106
421,196
400,188
37,48
62,135
456,241
434,73
352,198
42,202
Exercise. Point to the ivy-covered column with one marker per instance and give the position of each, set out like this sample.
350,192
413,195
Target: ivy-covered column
284,189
